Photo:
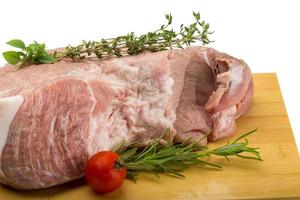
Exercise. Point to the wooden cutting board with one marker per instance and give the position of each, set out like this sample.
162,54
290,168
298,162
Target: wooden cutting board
278,176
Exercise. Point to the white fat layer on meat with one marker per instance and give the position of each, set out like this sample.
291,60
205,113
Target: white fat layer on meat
236,77
108,128
226,118
64,123
155,94
4,92
100,127
9,106
144,104
51,132
205,57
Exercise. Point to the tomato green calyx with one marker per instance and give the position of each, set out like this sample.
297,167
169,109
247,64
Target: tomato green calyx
119,164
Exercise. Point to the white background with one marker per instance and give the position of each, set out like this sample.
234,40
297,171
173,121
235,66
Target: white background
266,34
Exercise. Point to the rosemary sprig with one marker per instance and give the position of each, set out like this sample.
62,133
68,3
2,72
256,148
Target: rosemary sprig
161,39
173,159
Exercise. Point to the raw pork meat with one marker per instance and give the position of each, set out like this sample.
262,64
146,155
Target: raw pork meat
53,117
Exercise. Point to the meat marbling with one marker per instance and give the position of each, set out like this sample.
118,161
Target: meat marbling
53,117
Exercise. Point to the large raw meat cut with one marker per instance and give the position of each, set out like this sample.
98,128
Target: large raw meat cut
53,117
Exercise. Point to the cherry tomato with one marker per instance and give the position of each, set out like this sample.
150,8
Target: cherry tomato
104,173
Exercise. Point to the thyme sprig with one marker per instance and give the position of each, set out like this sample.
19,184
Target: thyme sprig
173,159
161,39
130,44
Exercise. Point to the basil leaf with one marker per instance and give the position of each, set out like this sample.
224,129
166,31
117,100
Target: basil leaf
46,59
16,43
22,54
12,57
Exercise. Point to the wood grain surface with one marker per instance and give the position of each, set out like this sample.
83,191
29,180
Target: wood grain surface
278,176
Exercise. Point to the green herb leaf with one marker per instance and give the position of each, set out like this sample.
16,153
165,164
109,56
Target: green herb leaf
12,57
34,53
169,18
16,43
196,15
22,54
46,59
